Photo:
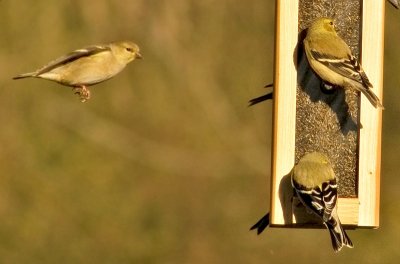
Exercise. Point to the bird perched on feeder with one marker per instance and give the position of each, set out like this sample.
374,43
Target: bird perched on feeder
331,59
314,182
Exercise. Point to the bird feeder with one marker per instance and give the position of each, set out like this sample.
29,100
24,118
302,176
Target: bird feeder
340,123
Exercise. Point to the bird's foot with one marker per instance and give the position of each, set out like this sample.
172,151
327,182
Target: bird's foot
83,92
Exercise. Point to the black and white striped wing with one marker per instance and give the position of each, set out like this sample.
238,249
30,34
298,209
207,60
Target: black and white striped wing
348,67
321,201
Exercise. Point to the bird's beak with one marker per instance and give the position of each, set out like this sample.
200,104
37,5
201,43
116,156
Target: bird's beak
138,56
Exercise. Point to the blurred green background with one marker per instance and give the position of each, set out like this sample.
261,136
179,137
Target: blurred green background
165,164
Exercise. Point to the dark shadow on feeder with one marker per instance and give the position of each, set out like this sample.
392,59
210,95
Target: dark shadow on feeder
286,194
318,90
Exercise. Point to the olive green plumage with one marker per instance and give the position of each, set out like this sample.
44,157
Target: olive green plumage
88,66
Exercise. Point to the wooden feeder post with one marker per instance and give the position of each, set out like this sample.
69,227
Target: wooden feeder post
343,125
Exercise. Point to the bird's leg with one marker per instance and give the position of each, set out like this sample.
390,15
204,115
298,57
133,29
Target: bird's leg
83,92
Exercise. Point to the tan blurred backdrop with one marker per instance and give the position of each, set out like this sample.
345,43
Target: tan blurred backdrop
165,164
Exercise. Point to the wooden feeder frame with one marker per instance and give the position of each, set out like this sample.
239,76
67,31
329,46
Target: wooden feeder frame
362,211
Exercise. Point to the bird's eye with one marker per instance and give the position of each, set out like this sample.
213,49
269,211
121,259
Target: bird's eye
129,49
331,23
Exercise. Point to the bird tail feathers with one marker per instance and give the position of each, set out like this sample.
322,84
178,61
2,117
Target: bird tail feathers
261,224
25,75
260,99
339,237
371,96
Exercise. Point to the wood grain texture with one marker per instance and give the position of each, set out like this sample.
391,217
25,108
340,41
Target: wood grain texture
371,118
348,210
285,82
